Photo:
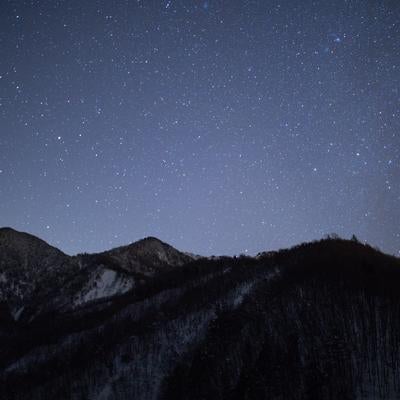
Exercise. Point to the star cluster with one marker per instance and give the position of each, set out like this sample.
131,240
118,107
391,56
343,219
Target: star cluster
219,126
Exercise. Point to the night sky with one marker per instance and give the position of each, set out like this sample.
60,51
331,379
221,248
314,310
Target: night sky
219,126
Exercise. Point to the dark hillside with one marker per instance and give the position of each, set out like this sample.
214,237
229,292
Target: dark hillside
318,321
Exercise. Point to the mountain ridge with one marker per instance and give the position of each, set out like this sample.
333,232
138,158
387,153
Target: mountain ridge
318,320
31,269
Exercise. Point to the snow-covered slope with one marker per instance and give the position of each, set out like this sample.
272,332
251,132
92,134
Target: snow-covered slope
104,283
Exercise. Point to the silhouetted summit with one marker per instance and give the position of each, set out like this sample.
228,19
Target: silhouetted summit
148,256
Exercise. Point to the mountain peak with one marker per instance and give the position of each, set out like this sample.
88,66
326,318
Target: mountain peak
23,241
7,229
10,232
148,255
26,264
149,241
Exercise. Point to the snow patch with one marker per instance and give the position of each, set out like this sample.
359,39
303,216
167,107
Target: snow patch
3,278
105,393
108,283
16,314
242,293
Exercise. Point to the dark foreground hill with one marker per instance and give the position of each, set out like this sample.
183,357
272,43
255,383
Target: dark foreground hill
318,321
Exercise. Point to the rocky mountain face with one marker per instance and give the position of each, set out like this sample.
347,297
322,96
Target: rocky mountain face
318,321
